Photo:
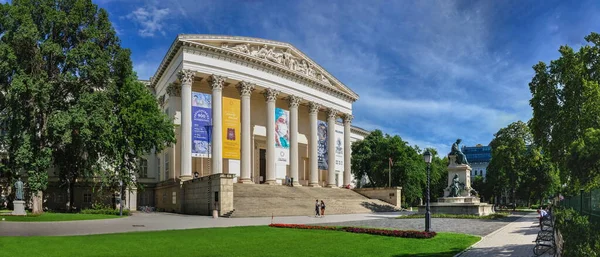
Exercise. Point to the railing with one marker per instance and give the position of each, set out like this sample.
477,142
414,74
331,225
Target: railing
586,203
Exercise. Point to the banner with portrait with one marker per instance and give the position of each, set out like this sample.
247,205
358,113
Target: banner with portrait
231,128
322,152
201,124
339,147
282,136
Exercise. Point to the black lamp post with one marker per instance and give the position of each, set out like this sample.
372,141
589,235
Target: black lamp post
208,132
427,158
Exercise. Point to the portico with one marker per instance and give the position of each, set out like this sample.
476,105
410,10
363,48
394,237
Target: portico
256,108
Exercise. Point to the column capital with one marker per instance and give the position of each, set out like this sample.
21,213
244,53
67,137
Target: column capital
332,113
174,89
186,77
294,101
245,88
270,94
347,118
314,107
216,82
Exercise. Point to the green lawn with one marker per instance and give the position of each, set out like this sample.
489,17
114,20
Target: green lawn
497,215
49,216
238,241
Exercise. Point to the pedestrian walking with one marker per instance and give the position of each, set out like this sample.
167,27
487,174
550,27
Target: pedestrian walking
317,207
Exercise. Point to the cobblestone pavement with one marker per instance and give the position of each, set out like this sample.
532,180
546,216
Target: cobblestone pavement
480,227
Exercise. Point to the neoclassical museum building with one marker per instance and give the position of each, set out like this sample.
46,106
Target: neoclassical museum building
259,109
245,110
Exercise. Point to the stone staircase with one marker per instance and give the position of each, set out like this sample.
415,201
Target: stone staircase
252,200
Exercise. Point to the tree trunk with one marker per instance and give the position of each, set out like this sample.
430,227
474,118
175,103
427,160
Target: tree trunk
71,195
38,202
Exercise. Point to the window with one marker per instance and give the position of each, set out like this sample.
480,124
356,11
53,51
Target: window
174,197
158,170
87,198
166,166
164,200
481,173
143,172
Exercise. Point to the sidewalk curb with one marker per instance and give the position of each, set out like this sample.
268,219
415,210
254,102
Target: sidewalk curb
490,234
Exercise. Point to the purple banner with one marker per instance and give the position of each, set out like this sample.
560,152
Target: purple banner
201,124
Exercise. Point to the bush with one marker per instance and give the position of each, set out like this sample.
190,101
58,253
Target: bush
580,236
371,231
493,216
104,209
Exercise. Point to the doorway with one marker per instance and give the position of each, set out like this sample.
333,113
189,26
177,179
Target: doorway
263,165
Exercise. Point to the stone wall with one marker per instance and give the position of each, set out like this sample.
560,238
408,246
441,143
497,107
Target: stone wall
168,196
386,194
202,195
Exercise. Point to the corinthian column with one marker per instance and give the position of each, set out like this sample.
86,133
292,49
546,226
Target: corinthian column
294,102
270,97
186,77
246,89
216,83
331,115
347,150
314,140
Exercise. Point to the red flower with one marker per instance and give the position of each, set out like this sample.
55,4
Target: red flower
372,231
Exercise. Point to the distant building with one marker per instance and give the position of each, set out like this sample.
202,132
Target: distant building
479,157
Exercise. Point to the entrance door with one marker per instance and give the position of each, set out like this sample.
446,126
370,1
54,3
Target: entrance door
263,166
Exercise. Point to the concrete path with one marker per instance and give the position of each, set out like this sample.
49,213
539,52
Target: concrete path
514,239
165,221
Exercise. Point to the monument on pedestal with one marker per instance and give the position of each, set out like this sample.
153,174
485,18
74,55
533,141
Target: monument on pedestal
18,203
459,196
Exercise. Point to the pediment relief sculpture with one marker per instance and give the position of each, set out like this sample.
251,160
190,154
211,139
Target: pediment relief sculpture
282,57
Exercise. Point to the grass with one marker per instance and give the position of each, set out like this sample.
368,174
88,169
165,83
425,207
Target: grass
237,241
494,216
49,216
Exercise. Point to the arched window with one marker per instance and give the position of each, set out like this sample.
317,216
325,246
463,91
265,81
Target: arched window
480,172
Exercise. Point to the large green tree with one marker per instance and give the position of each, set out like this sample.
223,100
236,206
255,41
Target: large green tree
566,112
370,159
70,96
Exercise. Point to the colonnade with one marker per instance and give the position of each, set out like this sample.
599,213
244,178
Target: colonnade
216,82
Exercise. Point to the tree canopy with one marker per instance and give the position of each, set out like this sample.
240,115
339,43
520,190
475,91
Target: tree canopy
70,98
566,112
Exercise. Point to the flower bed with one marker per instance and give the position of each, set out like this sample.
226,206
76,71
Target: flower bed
372,231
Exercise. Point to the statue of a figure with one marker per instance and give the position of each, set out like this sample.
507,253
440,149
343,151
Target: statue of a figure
19,190
455,187
461,158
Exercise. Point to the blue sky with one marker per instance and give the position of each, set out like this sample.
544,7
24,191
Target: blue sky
429,71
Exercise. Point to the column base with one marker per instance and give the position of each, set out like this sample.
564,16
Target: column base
332,186
271,182
185,177
296,184
246,181
314,184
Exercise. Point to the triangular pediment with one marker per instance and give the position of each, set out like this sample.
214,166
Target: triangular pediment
276,53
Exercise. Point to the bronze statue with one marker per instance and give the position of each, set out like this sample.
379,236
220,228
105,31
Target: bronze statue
461,158
455,187
19,190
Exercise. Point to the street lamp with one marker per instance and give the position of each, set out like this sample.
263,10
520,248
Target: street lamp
427,158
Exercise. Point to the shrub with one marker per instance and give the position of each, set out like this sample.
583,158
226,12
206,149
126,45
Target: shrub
371,231
104,209
580,236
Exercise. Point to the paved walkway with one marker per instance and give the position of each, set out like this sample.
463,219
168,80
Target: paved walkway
164,221
514,240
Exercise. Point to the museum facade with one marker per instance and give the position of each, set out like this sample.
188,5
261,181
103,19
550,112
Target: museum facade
256,108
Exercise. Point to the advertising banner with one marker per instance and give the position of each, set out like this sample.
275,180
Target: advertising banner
201,124
322,152
231,128
339,147
282,136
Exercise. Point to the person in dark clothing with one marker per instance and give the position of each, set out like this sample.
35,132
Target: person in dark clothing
322,209
317,206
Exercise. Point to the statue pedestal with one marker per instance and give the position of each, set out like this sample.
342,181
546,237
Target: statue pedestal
19,208
464,175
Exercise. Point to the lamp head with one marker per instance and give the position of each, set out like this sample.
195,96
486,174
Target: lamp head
427,156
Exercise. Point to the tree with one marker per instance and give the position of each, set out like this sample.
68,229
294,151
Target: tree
370,160
566,112
509,146
71,97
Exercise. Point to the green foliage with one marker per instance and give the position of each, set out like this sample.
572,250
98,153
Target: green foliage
105,211
71,98
580,237
370,160
566,112
495,216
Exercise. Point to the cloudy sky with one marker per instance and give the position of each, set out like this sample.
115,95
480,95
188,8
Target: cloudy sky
429,71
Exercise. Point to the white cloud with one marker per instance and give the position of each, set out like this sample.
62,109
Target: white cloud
150,19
